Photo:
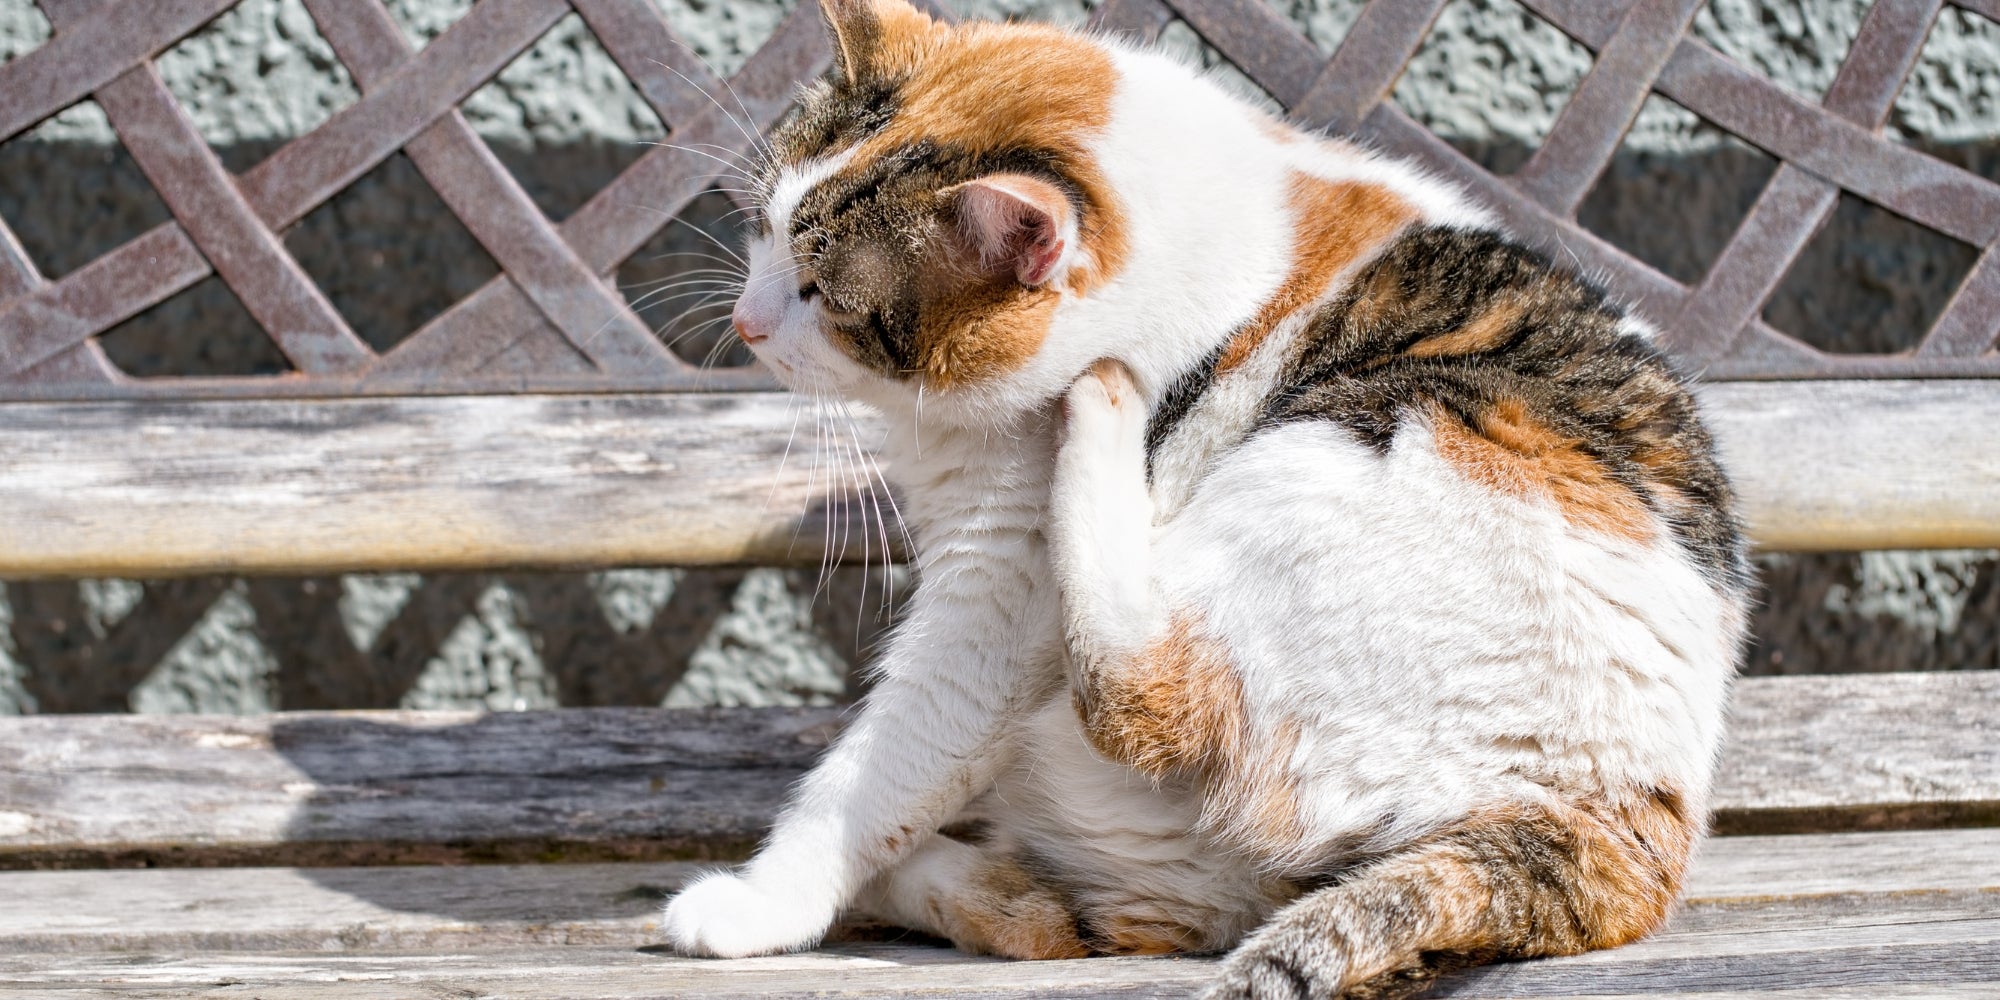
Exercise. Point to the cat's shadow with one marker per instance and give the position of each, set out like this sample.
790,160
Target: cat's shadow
391,808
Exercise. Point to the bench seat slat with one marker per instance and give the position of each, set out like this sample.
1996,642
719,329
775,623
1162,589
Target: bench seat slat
1820,913
1881,751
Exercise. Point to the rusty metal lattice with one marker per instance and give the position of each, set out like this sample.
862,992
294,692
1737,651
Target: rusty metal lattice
554,295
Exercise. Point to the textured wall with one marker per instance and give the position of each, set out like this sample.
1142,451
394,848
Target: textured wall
1490,79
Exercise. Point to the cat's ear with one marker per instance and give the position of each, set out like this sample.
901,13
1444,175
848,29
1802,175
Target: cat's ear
873,39
1017,223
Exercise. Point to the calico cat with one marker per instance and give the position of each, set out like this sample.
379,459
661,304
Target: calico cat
1307,568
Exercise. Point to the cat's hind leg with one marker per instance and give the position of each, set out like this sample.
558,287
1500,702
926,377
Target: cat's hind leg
1152,691
980,897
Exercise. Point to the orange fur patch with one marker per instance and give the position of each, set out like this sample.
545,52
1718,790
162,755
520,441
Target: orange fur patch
1003,911
981,88
1123,934
1514,452
1486,331
1176,707
1268,803
986,88
983,332
1336,223
1636,864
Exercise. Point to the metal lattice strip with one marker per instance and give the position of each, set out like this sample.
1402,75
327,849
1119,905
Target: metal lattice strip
554,294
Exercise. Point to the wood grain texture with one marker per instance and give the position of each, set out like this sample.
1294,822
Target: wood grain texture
1880,751
1863,465
463,482
1862,751
1874,912
330,788
426,484
1734,884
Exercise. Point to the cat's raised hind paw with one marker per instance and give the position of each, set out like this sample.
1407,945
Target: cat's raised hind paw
1103,406
724,916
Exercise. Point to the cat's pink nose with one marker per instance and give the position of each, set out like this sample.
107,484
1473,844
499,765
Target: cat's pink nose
747,324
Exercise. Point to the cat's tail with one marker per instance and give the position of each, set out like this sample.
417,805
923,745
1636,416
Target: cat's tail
1520,882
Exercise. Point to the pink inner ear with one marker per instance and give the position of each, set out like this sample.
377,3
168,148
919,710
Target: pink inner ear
1017,222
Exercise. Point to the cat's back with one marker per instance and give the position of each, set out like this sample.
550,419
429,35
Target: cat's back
1463,511
1408,320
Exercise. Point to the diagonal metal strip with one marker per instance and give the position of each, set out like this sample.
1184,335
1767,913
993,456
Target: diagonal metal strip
291,182
499,214
669,75
1925,189
18,274
1259,41
115,287
85,368
75,62
1138,20
674,81
1590,22
1594,120
627,212
307,171
250,258
1794,204
203,197
621,218
1970,324
1379,44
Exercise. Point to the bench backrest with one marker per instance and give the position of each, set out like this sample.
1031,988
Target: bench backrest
115,474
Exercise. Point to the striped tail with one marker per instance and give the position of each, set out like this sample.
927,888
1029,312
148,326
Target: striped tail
1525,881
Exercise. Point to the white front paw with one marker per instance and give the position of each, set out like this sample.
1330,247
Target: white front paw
723,916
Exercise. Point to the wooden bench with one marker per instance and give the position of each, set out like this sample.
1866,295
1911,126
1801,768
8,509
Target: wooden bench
538,424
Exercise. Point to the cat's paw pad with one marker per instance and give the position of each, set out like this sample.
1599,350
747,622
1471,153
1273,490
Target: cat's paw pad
723,916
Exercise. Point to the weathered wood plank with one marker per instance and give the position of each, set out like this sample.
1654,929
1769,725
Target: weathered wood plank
150,489
1877,911
1733,889
1818,913
434,483
1861,751
1863,465
320,788
1879,751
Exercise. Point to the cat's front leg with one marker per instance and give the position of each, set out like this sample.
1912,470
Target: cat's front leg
971,655
1150,689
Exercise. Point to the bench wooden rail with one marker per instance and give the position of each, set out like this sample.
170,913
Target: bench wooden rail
440,483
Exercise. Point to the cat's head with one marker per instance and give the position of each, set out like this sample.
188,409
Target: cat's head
932,206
